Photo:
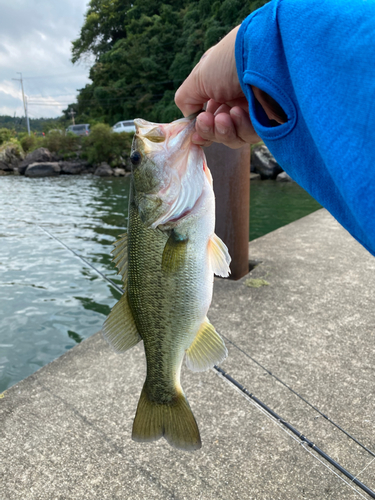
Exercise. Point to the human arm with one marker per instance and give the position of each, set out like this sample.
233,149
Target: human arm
316,61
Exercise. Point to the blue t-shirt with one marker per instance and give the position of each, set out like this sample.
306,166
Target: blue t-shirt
317,60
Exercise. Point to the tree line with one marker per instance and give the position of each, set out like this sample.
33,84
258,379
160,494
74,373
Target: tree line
141,51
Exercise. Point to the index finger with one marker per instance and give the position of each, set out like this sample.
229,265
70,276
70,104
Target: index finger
191,97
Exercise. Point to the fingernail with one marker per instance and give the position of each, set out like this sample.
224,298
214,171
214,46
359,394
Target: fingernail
204,128
220,128
236,112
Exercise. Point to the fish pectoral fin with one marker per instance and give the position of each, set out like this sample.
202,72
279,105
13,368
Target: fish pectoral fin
174,421
120,256
219,256
174,254
207,349
119,329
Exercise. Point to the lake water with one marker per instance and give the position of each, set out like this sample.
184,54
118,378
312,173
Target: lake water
49,299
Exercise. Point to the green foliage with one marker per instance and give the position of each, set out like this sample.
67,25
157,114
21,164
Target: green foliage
104,145
143,50
15,145
6,134
57,141
101,145
29,142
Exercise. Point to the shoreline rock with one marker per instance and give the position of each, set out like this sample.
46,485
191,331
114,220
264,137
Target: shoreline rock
10,157
40,155
45,169
104,170
264,163
284,177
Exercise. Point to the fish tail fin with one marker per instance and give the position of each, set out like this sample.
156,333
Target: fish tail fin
174,421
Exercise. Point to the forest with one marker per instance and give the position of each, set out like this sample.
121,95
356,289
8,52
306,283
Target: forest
141,51
36,124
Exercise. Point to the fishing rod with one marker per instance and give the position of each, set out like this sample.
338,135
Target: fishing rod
243,390
302,437
299,396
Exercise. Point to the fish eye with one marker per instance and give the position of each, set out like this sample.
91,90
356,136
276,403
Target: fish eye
136,158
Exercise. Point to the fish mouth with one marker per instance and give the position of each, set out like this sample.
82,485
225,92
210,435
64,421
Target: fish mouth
177,162
150,136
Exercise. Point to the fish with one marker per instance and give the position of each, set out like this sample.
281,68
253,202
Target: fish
167,260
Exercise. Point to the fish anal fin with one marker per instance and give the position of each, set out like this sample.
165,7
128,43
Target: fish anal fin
219,256
174,254
119,329
120,255
174,421
206,350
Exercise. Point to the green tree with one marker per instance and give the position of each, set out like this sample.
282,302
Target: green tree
142,51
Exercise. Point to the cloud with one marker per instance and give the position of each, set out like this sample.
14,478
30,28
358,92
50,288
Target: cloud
35,39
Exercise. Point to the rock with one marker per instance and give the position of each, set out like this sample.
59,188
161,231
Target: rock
117,172
46,169
73,167
40,155
284,177
88,170
104,170
254,177
264,163
56,157
10,157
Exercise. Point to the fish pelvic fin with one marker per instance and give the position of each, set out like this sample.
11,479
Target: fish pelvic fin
175,422
119,329
174,254
206,350
219,256
120,256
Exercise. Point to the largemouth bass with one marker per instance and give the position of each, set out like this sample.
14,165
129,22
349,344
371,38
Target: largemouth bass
167,260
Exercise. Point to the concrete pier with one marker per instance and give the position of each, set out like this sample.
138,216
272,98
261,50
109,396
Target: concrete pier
65,431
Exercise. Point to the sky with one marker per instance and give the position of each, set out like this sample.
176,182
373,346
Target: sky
35,39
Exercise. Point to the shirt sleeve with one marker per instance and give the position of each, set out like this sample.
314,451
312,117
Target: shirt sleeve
317,60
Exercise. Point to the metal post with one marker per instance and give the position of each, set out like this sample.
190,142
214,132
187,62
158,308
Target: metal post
24,99
27,116
230,170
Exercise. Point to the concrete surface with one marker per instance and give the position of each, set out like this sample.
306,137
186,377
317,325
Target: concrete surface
65,431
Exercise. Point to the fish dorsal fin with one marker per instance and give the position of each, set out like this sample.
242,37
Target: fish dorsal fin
207,349
119,329
219,256
174,254
120,256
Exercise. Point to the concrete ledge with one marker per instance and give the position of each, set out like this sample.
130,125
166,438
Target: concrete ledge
65,431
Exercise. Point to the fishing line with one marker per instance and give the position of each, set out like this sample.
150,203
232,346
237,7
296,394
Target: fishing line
259,404
301,397
303,439
112,283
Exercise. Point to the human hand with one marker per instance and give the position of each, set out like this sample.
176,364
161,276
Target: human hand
214,81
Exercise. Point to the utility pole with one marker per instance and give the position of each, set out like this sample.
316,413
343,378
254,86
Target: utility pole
72,113
24,98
